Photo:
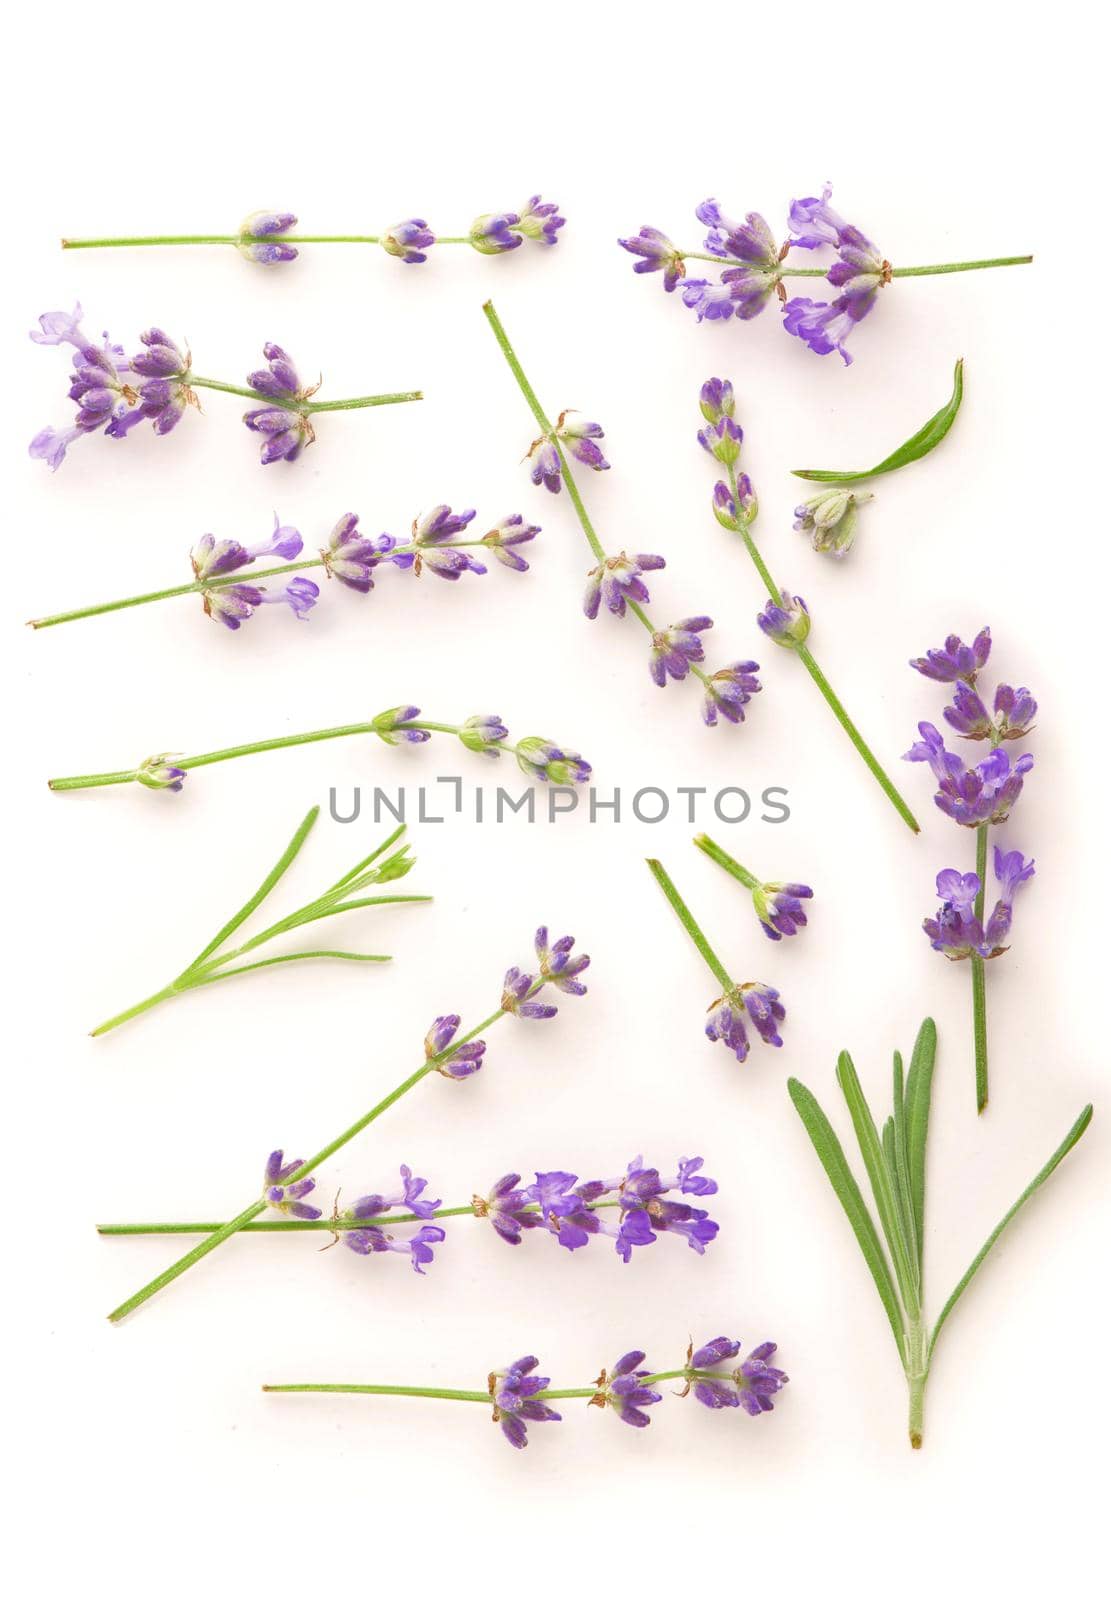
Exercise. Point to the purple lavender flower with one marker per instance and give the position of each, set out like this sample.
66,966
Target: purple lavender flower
788,623
624,1390
375,1238
430,533
750,1386
409,241
956,930
968,715
507,1206
165,393
970,795
515,992
352,558
674,648
814,223
286,430
728,691
158,772
657,254
407,1197
723,440
735,511
955,661
562,1209
557,965
753,1003
546,467
99,388
284,1196
540,221
1015,710
617,580
744,290
484,735
1011,871
859,275
462,1062
779,908
389,726
260,237
61,327
492,233
539,758
502,538
375,1241
824,327
579,436
514,1394
233,604
831,519
212,558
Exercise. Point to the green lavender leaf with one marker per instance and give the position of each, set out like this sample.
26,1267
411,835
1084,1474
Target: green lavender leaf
902,1166
275,961
829,1152
928,437
919,1085
883,1190
1074,1134
285,860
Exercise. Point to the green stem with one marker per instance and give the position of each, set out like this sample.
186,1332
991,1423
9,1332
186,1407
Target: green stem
128,241
885,783
226,1231
723,859
979,987
918,1370
321,1225
683,912
136,1010
303,407
473,1396
896,272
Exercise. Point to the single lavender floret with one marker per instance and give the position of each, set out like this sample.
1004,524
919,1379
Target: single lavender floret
623,1390
483,735
821,326
779,908
505,535
788,623
158,772
580,437
563,1210
657,254
831,519
388,725
409,241
513,1393
464,1061
955,661
673,649
260,237
970,795
728,691
617,580
376,1241
284,1196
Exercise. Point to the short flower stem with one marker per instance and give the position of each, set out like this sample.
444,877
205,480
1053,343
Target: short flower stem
979,989
228,1229
723,859
885,783
896,272
321,1225
303,407
683,912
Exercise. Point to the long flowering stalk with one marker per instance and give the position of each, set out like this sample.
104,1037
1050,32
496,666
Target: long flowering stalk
756,267
483,735
895,1162
786,617
978,798
571,1212
518,1395
349,556
617,580
269,238
739,1005
215,963
115,392
452,1055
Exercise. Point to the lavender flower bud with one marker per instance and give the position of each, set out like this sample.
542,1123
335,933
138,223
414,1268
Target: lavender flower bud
513,1393
618,579
517,988
723,440
787,623
778,906
673,649
955,661
546,468
539,758
409,240
657,254
540,221
1015,710
491,234
831,519
260,241
557,965
462,1062
735,511
728,691
158,772
510,531
484,735
755,1003
387,725
716,400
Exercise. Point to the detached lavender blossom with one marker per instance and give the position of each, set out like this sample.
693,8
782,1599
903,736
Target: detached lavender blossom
751,1385
617,580
260,238
779,908
284,1196
831,519
514,1394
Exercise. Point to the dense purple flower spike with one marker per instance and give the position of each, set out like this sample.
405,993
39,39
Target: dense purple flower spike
624,1390
779,908
755,1004
728,691
617,580
970,795
751,1385
285,430
260,237
657,254
673,649
514,1393
788,623
409,241
284,1196
956,930
462,1062
955,661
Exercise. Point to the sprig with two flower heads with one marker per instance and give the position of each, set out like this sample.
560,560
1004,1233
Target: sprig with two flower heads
483,735
895,1162
115,392
519,1395
349,556
571,1212
451,1055
755,267
978,797
786,617
269,239
383,865
617,581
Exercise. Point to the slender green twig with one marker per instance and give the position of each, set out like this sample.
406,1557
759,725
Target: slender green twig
686,917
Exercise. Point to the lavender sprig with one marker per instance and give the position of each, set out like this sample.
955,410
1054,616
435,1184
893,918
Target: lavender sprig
616,581
349,556
268,239
437,1061
115,393
740,1006
786,617
754,267
483,735
975,797
519,1395
570,1212
383,865
895,1163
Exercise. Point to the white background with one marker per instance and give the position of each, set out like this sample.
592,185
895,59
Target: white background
147,1459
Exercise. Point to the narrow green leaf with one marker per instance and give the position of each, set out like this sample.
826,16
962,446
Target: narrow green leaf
919,1085
902,1166
883,1190
314,913
1062,1150
366,861
284,861
845,1187
275,961
928,437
